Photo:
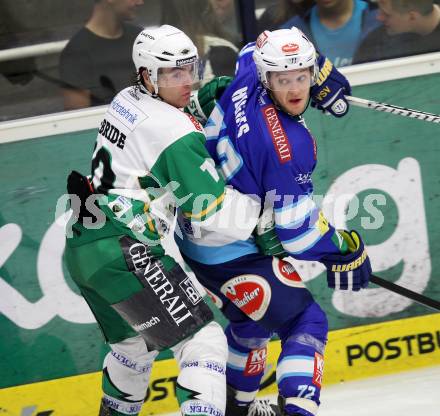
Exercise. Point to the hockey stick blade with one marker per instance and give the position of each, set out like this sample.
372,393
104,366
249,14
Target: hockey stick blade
393,109
417,297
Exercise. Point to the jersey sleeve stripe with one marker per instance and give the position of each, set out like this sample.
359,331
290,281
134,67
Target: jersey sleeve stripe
204,213
293,213
303,242
299,221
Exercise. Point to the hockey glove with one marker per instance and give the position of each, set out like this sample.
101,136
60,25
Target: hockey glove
328,94
350,271
266,238
203,101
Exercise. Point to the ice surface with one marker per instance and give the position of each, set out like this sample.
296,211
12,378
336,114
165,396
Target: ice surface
410,393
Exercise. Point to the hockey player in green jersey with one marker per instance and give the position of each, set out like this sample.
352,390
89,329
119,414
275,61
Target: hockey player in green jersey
150,158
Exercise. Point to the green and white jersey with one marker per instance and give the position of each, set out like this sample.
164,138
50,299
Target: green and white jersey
149,159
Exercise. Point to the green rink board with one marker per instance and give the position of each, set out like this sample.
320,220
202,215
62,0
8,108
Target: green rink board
47,331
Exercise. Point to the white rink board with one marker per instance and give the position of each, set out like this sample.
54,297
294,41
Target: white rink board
89,118
409,393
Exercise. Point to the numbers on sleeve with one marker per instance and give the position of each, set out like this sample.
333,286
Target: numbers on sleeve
209,166
230,160
214,123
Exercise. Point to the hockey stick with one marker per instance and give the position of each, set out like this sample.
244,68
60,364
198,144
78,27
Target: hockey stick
417,297
393,109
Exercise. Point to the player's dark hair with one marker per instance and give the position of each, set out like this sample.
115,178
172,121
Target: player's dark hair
138,79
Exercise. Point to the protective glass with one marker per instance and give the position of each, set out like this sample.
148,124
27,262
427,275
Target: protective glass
180,75
289,80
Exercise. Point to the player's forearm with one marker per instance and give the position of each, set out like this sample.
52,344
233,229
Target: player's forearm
235,220
312,239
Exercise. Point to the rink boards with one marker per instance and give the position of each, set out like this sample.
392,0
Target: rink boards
351,354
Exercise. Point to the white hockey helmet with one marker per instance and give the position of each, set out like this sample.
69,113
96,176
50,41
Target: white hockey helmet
284,50
166,47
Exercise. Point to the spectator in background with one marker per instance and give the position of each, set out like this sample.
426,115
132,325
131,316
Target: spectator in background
277,14
337,27
96,63
223,13
409,27
16,71
218,54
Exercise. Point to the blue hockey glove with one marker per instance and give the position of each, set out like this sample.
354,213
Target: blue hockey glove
328,94
351,271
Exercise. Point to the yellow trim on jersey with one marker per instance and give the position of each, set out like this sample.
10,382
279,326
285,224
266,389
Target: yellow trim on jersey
150,224
208,209
150,221
322,223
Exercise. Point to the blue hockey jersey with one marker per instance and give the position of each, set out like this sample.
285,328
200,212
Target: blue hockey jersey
262,151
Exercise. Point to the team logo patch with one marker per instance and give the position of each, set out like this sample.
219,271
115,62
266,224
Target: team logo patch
120,206
137,225
286,273
318,370
290,47
133,92
190,291
256,362
197,125
339,106
215,299
250,293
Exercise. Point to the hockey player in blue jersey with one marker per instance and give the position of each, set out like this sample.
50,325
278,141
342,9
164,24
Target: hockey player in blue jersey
258,139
